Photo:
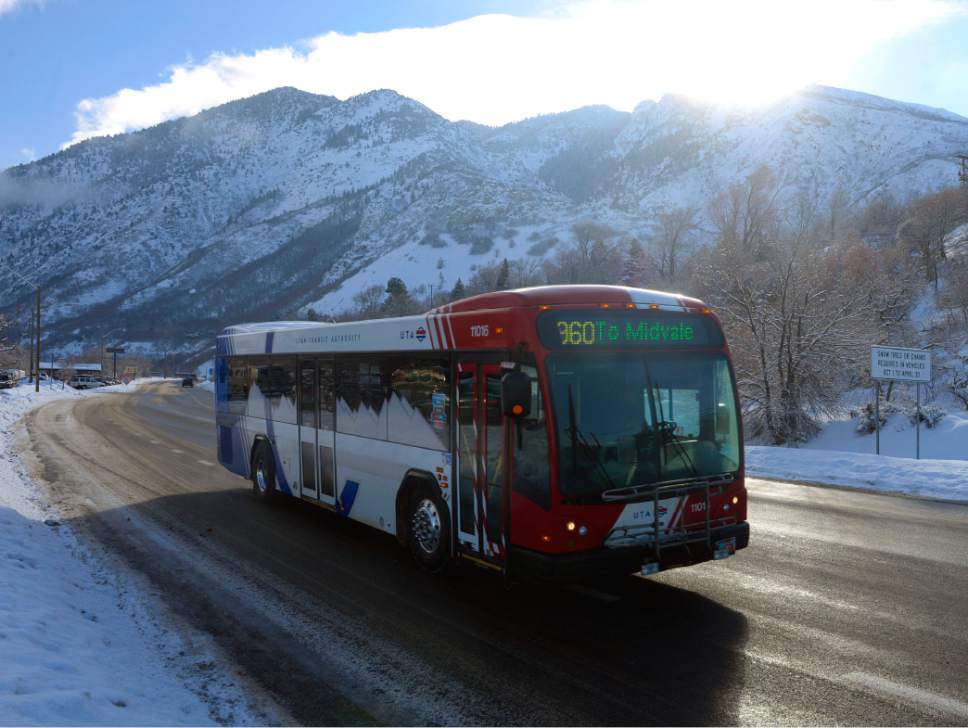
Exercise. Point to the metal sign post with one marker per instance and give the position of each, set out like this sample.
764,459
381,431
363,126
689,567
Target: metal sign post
894,364
115,350
917,427
877,418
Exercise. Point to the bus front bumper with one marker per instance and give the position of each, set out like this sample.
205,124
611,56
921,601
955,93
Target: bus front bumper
607,562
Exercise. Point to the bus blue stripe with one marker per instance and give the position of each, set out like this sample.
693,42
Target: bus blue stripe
347,498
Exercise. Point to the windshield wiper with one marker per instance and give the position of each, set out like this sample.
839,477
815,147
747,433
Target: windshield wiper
590,451
662,425
667,430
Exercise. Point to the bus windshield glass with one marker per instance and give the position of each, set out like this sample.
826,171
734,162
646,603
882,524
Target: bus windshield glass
633,418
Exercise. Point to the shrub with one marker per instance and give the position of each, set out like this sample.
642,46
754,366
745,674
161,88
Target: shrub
931,415
866,423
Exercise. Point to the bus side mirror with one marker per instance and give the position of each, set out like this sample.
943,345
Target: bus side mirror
516,394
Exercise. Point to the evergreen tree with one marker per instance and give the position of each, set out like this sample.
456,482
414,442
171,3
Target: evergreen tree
398,301
396,288
458,292
311,314
503,276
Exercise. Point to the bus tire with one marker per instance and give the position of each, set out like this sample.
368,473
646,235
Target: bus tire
263,473
428,526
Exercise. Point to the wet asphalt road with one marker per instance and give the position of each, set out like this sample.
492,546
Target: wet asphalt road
846,608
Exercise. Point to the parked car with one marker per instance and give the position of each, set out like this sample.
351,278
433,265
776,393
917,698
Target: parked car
84,382
8,378
188,381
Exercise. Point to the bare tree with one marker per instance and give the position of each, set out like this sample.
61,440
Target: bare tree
796,324
745,215
368,301
505,275
878,220
930,221
593,257
672,238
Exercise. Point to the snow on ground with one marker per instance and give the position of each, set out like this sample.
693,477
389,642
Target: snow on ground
947,440
930,478
841,456
80,644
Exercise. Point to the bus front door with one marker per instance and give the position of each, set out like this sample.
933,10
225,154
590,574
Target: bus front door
480,432
316,431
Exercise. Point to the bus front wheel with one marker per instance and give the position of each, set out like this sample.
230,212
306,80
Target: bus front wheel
429,526
263,473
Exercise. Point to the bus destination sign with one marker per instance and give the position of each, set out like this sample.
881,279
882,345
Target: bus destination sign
575,329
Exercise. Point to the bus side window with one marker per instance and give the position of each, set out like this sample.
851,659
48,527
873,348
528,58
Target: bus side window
240,381
532,475
327,395
419,403
277,382
361,396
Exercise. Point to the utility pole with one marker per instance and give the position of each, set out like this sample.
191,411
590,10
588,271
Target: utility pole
30,344
35,358
115,350
37,331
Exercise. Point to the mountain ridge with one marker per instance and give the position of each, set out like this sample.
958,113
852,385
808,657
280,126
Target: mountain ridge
264,206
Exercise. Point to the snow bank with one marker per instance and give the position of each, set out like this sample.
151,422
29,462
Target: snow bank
79,645
947,440
931,478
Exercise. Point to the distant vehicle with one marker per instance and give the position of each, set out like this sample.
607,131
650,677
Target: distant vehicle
188,381
9,378
558,432
84,382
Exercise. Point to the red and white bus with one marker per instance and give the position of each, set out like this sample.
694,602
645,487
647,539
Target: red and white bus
560,432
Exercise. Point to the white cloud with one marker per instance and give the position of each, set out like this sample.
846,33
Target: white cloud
7,6
28,153
499,68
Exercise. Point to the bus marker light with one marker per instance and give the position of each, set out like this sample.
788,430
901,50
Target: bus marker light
546,538
603,305
498,329
707,310
629,305
517,409
654,306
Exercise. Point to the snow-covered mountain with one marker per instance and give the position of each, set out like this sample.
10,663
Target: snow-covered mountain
261,207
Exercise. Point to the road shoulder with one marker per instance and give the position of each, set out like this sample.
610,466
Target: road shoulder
86,641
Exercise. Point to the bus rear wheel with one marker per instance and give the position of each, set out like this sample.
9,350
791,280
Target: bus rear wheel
429,529
263,473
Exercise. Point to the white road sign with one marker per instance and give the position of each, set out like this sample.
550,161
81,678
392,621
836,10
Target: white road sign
900,365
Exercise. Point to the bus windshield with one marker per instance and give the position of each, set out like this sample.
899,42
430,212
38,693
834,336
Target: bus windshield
632,418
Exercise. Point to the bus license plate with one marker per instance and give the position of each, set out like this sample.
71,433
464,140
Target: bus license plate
725,548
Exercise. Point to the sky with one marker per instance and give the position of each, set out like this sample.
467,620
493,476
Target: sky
73,69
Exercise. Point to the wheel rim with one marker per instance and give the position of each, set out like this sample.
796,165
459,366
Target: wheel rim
260,477
426,526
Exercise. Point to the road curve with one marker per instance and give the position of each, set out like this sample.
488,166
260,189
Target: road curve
846,608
